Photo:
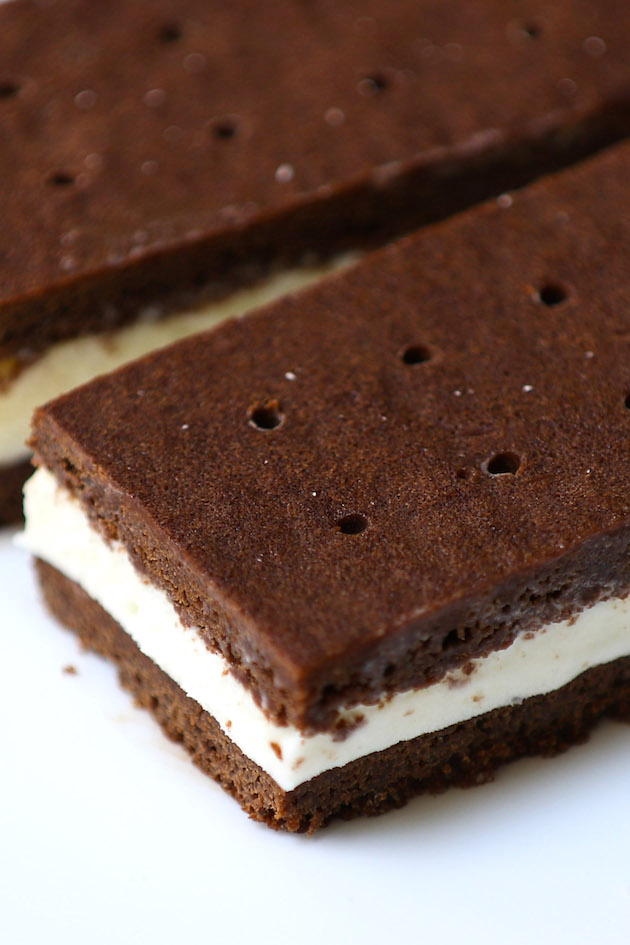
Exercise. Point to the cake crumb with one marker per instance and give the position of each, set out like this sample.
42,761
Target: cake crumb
284,173
195,62
154,98
566,86
276,750
85,99
148,168
594,46
70,670
334,117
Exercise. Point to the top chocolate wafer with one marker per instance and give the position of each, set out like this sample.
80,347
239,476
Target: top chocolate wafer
153,147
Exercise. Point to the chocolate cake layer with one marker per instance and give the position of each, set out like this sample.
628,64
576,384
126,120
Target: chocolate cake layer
464,755
159,152
12,479
354,491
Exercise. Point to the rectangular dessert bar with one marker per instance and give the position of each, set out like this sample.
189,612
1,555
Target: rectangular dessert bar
159,154
372,540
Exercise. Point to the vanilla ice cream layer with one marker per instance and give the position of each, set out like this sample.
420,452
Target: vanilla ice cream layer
69,363
59,532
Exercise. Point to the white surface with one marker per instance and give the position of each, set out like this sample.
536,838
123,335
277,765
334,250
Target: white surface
109,835
59,531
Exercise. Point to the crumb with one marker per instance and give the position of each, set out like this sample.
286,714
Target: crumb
276,749
70,670
284,173
345,725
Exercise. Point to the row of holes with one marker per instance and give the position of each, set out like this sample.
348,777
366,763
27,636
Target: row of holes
500,464
172,32
268,417
169,33
594,45
550,294
222,130
372,84
368,85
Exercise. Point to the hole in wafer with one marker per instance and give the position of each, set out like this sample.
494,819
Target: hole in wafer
8,89
224,128
456,637
416,354
373,84
531,30
169,33
61,179
266,416
352,524
552,293
627,401
451,639
502,464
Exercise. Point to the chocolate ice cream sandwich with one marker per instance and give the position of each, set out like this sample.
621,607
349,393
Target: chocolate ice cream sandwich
373,540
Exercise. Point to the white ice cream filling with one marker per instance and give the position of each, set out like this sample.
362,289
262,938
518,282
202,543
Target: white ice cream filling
59,532
69,363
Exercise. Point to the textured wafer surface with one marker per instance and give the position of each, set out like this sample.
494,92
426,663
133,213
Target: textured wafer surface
490,473
150,147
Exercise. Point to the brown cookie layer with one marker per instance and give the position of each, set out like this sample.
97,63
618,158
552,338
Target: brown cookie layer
157,152
464,755
11,481
358,488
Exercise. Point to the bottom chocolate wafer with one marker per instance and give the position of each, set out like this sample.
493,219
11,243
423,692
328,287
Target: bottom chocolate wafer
461,755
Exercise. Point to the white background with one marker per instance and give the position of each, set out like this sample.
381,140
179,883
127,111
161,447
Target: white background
108,834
